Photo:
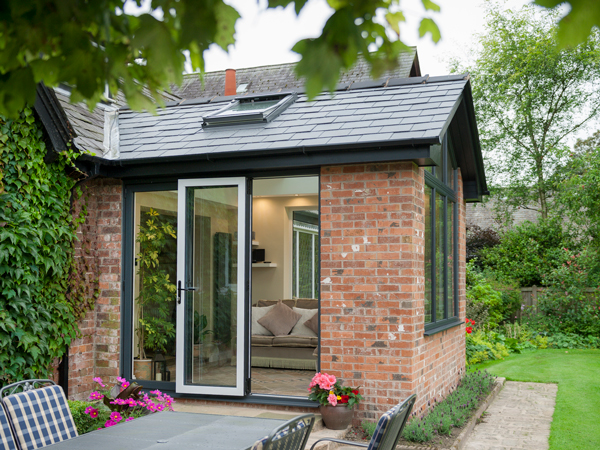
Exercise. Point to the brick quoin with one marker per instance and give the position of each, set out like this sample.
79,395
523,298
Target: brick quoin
372,288
96,352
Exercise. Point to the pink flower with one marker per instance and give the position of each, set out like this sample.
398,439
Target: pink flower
160,407
116,417
96,396
94,414
125,385
332,399
121,380
156,392
99,381
131,403
109,423
90,410
129,419
327,381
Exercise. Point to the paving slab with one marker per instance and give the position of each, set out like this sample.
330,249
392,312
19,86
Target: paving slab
518,419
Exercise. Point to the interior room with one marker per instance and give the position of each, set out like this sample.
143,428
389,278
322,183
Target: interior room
285,263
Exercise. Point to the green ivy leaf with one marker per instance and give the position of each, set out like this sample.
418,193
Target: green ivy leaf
430,6
576,27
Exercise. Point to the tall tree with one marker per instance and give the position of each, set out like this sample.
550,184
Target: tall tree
93,44
530,96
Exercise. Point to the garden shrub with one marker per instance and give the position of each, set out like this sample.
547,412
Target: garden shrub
453,411
37,231
528,251
477,239
83,421
490,302
368,428
565,305
483,346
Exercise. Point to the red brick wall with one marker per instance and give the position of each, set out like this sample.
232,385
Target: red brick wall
96,353
372,288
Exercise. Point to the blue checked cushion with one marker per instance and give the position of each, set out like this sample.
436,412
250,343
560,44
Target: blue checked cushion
382,425
40,417
6,438
259,445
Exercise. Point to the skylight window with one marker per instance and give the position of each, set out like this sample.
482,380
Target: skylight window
255,109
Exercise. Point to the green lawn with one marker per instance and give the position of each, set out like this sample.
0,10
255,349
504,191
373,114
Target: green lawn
576,420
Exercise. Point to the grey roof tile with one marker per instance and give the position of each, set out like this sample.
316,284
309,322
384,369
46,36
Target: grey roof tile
375,137
427,126
314,142
342,140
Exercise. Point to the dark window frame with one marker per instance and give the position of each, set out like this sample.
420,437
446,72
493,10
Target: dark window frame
130,187
447,193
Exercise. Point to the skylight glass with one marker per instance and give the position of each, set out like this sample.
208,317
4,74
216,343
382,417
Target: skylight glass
257,109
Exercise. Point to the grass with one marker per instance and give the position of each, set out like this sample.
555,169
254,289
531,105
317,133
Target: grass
576,420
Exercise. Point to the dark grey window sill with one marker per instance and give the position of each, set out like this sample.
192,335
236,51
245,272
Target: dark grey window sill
434,328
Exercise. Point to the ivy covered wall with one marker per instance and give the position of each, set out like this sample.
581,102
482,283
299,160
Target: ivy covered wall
39,303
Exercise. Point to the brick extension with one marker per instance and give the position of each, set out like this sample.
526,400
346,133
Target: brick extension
96,353
372,288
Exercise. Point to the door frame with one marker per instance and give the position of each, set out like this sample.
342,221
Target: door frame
240,389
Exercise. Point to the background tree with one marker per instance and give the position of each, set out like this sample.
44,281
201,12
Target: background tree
530,96
92,45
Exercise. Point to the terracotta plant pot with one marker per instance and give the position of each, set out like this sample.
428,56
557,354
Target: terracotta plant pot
142,369
336,417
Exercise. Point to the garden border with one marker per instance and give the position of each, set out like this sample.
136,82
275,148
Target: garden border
461,440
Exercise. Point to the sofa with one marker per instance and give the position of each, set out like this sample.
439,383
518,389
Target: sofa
296,349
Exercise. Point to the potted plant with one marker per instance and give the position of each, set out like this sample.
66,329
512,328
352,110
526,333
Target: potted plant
155,328
200,334
335,401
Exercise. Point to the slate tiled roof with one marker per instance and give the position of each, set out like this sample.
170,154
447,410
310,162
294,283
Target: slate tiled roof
280,77
398,113
89,125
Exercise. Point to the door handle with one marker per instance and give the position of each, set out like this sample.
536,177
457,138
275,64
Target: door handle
179,289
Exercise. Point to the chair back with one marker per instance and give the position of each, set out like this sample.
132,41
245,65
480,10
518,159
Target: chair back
292,435
390,426
7,441
39,417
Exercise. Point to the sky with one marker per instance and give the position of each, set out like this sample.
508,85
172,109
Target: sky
265,37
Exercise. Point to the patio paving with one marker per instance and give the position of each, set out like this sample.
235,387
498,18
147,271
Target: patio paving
518,419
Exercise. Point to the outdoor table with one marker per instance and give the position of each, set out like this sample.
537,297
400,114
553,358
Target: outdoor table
176,430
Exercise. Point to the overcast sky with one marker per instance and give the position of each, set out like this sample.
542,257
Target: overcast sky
265,37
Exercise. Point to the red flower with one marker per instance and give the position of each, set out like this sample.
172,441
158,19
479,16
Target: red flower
469,330
355,392
344,399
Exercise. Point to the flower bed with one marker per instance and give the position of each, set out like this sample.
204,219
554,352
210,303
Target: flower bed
443,421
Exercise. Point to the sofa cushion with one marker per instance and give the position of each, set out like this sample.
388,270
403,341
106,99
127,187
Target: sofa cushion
280,320
307,303
300,329
259,313
290,303
294,341
313,323
262,341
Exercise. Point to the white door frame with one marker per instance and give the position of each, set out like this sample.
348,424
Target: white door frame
238,390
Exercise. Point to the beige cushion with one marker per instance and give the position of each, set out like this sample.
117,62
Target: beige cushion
259,313
294,341
300,329
262,341
280,320
307,303
313,323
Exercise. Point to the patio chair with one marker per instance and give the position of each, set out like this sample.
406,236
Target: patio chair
7,440
292,435
38,416
388,430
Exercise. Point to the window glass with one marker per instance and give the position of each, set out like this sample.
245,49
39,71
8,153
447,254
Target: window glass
154,296
439,256
249,106
428,256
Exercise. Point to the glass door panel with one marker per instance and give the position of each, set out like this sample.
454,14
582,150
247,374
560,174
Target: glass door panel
211,296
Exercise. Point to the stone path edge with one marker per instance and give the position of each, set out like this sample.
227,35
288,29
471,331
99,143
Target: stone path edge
461,440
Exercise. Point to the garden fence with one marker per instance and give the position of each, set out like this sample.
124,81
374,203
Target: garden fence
529,295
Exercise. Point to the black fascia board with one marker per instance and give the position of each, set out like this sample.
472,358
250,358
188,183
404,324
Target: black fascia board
53,118
423,154
474,133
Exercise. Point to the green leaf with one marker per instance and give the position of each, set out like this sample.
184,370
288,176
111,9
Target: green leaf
429,26
575,27
394,20
429,5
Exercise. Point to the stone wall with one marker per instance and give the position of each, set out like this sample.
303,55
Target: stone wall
96,353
